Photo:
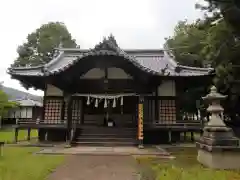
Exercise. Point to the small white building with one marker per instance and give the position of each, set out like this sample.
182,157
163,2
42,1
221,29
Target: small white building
28,109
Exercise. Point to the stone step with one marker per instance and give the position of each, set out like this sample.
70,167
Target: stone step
108,132
109,129
104,127
110,135
108,143
105,139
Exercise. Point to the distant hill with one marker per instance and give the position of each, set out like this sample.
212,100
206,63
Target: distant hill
14,94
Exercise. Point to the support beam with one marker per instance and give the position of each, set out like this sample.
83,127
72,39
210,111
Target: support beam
16,135
192,136
82,110
63,111
185,136
156,105
69,119
170,136
29,134
46,135
44,103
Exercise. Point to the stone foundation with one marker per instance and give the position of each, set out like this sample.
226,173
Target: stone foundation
219,159
219,149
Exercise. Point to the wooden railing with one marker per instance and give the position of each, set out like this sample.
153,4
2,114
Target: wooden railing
36,122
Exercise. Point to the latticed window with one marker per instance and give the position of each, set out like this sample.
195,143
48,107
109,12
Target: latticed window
52,111
76,111
167,111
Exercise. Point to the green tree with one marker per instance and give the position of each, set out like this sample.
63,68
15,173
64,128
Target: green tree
39,48
5,105
228,9
206,42
186,43
201,43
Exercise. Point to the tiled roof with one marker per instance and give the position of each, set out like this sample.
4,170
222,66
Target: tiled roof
156,62
28,102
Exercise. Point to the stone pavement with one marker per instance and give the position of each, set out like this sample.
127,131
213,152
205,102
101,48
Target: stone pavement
100,163
88,150
87,167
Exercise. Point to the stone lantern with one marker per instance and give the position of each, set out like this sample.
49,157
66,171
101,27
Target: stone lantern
215,108
218,147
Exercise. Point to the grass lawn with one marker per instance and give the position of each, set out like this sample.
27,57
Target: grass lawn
7,135
184,167
20,163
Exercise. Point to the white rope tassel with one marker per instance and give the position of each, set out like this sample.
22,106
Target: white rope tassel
88,100
114,103
96,102
122,101
105,103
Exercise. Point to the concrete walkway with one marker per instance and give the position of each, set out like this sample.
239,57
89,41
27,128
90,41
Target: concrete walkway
86,167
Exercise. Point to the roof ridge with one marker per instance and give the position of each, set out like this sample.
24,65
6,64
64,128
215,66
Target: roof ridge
171,60
58,55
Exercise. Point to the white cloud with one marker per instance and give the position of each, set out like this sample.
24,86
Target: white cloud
134,23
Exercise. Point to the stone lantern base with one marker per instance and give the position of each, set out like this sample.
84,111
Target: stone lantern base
218,148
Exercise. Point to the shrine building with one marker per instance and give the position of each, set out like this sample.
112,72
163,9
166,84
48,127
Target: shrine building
111,96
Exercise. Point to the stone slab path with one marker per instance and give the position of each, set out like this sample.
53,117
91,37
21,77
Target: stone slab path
98,167
87,150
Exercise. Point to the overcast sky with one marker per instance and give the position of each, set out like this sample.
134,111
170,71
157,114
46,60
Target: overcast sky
134,23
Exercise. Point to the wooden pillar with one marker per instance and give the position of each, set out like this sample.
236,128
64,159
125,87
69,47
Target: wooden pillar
140,122
82,110
192,136
46,135
179,91
170,136
16,135
185,136
69,120
29,134
63,111
44,104
156,106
